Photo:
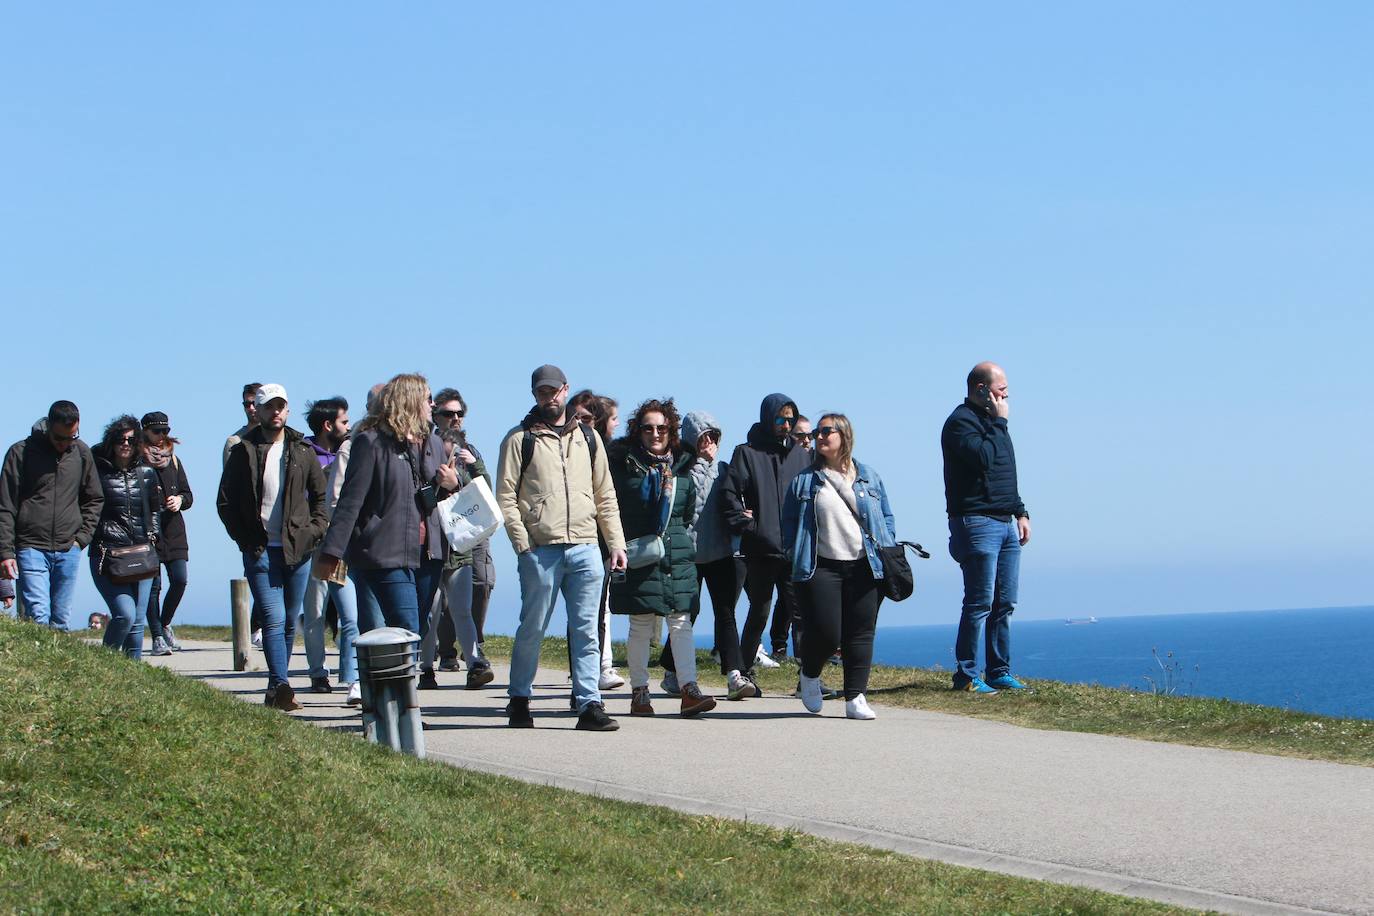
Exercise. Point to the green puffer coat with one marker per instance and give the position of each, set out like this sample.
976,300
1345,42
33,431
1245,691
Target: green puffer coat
670,585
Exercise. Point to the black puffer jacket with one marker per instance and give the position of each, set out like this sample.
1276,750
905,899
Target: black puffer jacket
132,496
760,472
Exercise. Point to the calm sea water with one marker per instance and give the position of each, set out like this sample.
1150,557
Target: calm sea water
1316,660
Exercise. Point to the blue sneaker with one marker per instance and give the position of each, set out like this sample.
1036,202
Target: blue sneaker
975,686
1006,682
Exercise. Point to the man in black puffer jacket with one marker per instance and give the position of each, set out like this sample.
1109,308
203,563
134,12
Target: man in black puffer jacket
760,472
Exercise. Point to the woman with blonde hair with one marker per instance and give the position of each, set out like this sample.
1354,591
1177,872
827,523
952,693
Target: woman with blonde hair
385,523
835,516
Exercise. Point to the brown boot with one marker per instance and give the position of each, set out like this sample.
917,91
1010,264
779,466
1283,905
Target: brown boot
639,702
285,699
694,702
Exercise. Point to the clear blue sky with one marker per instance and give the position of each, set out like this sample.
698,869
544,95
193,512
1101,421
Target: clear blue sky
1157,217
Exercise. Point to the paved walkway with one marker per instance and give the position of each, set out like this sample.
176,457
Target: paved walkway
1211,829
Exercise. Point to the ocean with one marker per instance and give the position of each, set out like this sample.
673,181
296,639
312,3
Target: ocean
1317,660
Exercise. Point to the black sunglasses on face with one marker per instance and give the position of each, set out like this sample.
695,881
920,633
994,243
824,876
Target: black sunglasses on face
450,414
823,432
125,440
659,430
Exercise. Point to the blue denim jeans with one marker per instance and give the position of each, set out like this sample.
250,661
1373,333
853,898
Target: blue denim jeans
989,553
128,603
576,571
317,595
279,591
454,598
47,579
393,597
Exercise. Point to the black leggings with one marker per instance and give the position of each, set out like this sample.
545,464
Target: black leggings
161,608
762,575
839,605
724,580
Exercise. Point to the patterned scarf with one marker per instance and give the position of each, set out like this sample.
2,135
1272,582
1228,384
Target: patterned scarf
659,484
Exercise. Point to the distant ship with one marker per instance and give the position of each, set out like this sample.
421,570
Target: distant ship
1075,621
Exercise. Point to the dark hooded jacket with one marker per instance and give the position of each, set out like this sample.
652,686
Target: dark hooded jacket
304,516
48,501
130,514
760,471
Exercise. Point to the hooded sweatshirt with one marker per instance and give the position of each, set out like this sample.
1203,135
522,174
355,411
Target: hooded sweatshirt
760,471
48,501
714,539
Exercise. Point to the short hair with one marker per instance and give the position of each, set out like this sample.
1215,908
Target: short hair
980,374
63,413
251,388
450,394
454,437
801,418
325,410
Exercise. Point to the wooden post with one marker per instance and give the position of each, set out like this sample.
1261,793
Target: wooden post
240,609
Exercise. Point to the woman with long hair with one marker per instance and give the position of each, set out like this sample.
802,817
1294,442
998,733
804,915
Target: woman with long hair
159,453
130,518
602,414
835,516
386,524
653,483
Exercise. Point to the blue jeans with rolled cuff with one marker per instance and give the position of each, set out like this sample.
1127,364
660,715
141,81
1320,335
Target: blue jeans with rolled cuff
279,591
988,550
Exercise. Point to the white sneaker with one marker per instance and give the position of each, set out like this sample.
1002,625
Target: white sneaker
610,680
764,660
739,687
669,684
858,708
257,639
355,695
811,696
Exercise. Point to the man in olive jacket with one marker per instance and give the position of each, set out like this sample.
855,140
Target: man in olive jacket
272,502
555,492
50,501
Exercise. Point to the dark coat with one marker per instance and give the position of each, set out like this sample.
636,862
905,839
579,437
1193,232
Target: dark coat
376,523
760,472
669,586
173,545
980,464
47,501
130,513
304,517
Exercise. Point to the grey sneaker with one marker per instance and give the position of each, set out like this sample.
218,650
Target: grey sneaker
171,637
669,684
160,647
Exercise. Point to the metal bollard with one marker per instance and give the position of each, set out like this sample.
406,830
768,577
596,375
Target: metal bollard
388,675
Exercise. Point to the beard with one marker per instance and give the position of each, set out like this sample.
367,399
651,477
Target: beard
550,412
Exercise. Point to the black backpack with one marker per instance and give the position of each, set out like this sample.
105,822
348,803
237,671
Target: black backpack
527,452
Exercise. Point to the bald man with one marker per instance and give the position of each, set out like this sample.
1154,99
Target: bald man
988,526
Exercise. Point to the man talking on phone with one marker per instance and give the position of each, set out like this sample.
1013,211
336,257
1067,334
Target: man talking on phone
988,526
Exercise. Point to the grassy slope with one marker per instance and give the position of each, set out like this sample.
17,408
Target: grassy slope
1199,721
124,787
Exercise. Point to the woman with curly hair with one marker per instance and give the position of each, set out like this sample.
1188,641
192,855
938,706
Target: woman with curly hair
653,483
386,524
130,517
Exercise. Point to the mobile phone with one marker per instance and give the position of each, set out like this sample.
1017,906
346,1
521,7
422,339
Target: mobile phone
617,575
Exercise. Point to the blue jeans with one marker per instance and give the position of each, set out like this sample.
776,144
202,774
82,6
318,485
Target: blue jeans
393,597
989,552
47,579
279,590
128,603
317,595
454,599
576,571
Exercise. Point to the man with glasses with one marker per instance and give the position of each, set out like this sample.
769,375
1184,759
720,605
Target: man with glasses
50,502
801,433
555,492
760,471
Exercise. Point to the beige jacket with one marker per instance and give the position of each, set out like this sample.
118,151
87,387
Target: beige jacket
562,499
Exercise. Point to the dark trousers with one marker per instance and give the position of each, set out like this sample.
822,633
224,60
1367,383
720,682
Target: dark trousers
762,575
839,607
162,608
724,580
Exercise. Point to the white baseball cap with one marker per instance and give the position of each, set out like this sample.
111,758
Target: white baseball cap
268,392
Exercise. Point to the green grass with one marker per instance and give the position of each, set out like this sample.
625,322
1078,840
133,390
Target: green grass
1199,721
126,788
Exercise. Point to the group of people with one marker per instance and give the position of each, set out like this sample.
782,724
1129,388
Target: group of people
348,518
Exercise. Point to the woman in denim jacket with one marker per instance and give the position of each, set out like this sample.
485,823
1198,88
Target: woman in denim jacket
834,517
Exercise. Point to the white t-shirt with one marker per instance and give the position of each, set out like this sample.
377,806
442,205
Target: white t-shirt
838,535
273,473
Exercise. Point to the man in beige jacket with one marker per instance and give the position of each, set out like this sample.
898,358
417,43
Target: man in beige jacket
555,491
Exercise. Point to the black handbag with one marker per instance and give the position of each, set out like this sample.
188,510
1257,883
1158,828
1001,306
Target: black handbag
898,581
136,562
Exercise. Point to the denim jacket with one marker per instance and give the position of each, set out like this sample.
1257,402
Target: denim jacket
799,518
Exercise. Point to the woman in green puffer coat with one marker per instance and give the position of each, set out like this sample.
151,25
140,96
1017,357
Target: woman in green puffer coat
653,483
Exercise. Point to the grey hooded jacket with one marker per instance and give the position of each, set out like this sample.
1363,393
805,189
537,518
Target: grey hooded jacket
714,539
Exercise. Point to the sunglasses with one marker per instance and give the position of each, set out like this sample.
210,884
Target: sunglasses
659,430
56,438
126,440
250,403
824,432
711,436
784,421
451,414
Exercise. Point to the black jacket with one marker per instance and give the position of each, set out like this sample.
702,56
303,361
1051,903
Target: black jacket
760,472
173,545
130,514
980,464
47,501
376,523
302,491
